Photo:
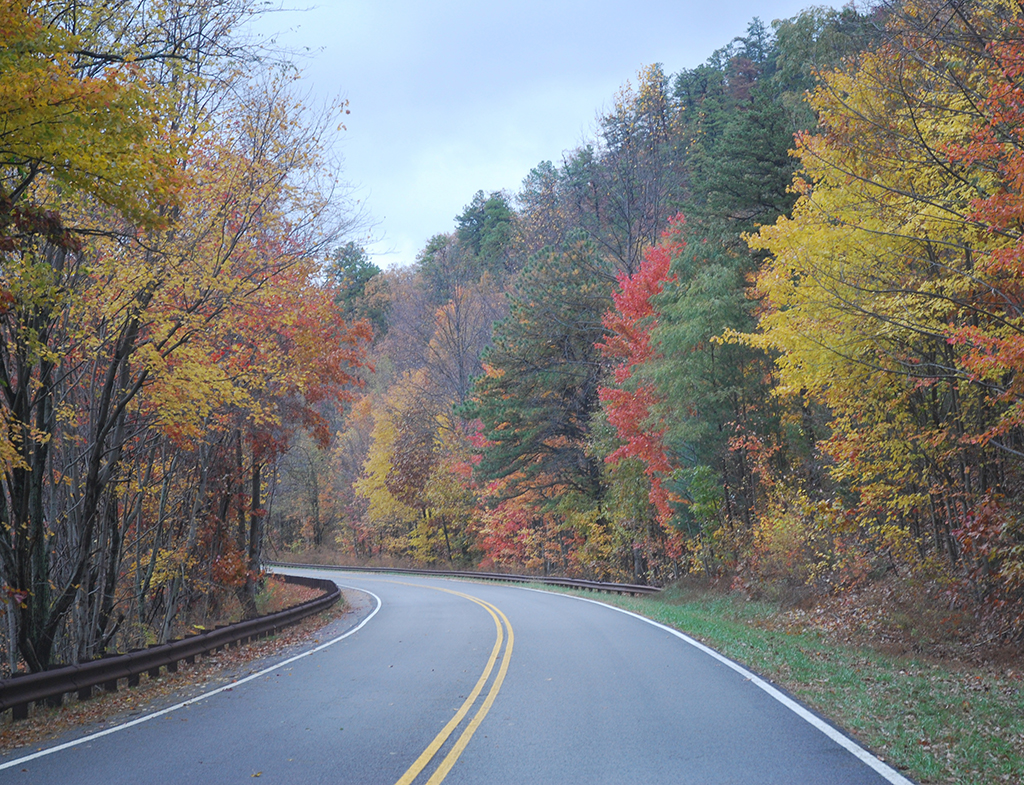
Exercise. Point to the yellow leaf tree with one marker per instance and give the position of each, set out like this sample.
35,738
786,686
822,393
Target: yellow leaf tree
876,272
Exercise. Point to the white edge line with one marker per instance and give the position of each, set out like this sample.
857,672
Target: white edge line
844,741
139,720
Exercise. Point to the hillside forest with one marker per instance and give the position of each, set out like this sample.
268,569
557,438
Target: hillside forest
762,329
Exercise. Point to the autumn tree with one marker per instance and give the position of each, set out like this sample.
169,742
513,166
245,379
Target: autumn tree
628,404
623,188
890,272
62,143
538,393
739,113
135,318
394,498
619,188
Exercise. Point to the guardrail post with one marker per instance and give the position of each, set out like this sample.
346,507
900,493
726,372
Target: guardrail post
154,673
84,693
19,712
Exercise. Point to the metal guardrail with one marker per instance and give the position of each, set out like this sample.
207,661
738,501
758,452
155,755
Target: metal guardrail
18,692
572,583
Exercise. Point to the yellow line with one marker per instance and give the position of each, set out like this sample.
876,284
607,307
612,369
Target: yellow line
421,762
453,755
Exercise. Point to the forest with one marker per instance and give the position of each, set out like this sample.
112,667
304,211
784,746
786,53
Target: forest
165,326
761,330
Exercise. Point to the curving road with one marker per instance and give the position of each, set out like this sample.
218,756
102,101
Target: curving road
466,683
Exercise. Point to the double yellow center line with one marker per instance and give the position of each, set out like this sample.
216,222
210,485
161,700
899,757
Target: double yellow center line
501,624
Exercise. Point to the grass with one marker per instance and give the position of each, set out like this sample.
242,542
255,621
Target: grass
936,721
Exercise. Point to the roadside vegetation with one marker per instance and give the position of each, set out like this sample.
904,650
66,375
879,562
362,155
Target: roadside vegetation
166,326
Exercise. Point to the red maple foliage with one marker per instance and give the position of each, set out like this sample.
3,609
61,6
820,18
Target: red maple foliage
629,405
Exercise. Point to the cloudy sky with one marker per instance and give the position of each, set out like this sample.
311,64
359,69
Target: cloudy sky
448,97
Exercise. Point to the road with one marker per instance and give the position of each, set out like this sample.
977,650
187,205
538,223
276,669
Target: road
471,683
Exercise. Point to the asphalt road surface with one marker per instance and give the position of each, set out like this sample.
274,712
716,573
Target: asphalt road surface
470,683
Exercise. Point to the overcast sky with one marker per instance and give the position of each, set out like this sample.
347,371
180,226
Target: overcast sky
451,97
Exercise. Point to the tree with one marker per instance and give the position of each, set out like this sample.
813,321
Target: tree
624,189
747,179
135,319
484,228
63,130
66,139
450,495
351,270
628,404
539,387
887,288
543,216
392,499
462,331
742,109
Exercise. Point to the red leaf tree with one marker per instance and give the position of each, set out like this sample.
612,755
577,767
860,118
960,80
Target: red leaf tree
629,403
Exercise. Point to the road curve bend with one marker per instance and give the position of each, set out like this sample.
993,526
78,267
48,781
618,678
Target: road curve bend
466,683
